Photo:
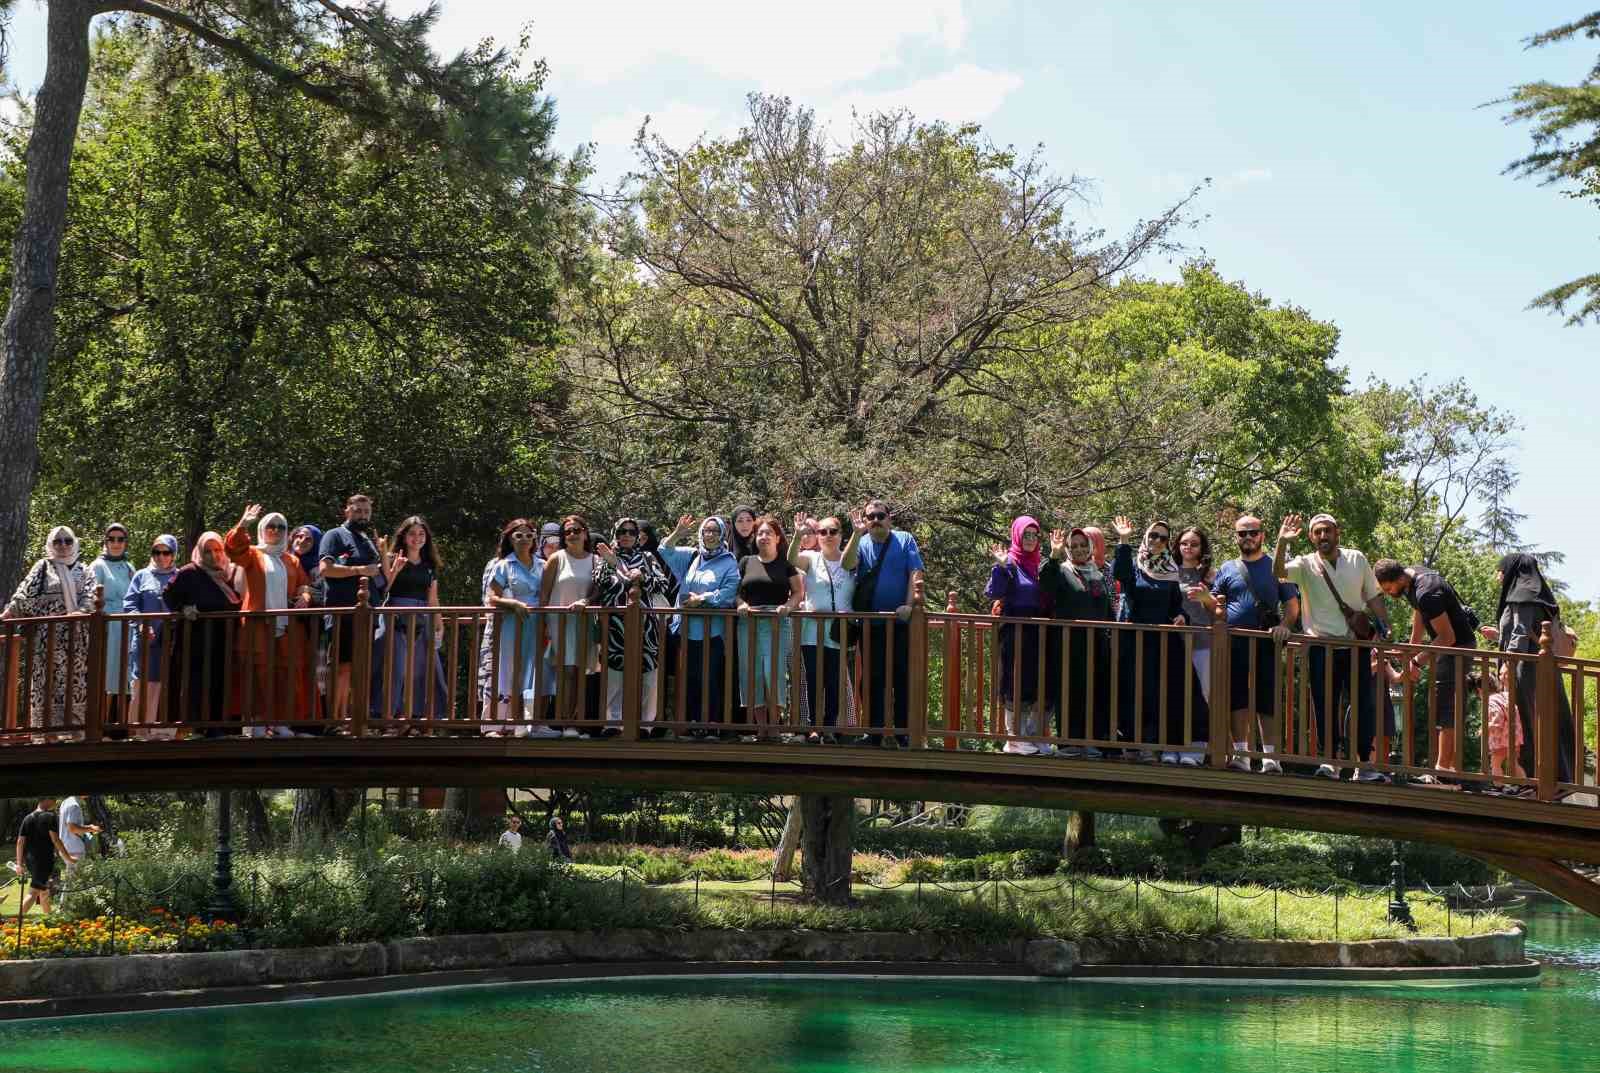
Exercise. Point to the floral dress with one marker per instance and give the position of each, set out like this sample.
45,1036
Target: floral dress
67,667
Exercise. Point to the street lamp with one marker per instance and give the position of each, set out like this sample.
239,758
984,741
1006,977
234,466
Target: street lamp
1399,911
222,906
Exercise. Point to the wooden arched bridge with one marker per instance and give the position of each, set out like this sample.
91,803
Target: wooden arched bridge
246,700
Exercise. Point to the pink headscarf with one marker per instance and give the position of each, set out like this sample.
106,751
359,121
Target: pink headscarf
1028,561
1097,544
225,574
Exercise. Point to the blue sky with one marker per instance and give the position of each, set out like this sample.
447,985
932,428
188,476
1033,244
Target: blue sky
1354,173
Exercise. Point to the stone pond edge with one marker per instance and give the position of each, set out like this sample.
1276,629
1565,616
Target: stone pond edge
39,987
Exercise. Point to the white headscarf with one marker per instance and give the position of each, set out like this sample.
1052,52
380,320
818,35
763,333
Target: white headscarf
276,575
62,563
700,540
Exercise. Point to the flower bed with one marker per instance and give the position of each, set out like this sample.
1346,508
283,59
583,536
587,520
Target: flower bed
157,932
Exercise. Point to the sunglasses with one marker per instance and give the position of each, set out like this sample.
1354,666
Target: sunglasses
116,540
876,516
1246,532
627,532
279,526
160,551
521,534
61,542
573,532
827,530
1158,536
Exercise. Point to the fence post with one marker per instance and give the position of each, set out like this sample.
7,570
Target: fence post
361,660
95,704
1545,718
1221,729
632,664
952,673
917,684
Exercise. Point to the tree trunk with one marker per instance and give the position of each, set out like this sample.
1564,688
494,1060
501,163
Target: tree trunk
27,336
318,815
788,842
257,827
462,806
829,828
1080,833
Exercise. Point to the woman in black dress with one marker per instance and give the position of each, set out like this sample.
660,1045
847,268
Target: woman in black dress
200,650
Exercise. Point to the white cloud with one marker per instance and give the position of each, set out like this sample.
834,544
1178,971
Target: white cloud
790,49
965,92
677,122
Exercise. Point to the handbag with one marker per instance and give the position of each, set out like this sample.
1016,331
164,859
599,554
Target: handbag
860,600
1359,622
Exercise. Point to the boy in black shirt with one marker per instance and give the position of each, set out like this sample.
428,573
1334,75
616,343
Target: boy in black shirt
37,845
1438,613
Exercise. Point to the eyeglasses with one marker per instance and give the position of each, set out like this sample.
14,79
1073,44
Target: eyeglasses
827,530
116,540
627,532
160,551
877,516
1246,532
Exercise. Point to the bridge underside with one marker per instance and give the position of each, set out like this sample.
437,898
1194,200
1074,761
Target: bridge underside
1502,830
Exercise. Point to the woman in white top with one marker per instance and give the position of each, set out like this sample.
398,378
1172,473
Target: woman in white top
830,579
568,575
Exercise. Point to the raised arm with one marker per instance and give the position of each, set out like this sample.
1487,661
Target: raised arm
1288,533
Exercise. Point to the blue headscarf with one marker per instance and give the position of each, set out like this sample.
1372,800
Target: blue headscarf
310,560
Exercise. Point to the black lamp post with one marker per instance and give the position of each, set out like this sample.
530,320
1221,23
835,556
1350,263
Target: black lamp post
1399,911
222,906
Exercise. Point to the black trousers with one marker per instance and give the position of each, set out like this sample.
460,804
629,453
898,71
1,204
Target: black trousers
888,658
825,692
702,691
1352,687
1527,687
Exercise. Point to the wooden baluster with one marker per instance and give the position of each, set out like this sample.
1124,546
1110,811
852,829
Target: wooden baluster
632,665
361,661
95,702
1221,684
1544,716
917,680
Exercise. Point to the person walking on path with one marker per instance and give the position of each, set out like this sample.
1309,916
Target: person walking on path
38,843
556,840
72,828
1339,600
1254,600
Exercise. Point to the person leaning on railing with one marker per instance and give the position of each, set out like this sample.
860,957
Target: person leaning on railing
58,584
1439,617
113,574
512,587
626,567
768,581
145,648
208,585
888,568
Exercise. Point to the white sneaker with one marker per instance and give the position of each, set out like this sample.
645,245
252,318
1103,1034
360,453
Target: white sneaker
1239,763
1369,775
1147,756
1021,748
1046,749
570,732
1169,758
1191,759
748,739
542,731
1270,766
1328,771
282,732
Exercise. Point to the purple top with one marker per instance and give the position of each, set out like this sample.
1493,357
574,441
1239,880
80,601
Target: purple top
1019,595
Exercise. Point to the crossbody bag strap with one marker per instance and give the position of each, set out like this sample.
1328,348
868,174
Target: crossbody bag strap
1344,607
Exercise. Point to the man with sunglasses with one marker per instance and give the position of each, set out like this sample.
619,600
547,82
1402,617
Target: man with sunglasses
1255,600
888,567
1336,587
347,555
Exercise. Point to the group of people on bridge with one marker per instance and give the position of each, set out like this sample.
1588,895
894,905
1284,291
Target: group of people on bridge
720,591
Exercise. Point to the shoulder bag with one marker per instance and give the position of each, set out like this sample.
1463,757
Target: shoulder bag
1359,622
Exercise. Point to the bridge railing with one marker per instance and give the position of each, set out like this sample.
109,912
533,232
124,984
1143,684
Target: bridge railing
936,679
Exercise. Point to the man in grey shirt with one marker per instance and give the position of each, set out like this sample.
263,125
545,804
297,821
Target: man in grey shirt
70,826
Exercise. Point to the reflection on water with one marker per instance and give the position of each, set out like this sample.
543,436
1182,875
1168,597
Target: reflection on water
854,1026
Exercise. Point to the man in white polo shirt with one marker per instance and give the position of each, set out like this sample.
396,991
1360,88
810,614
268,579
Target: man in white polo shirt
73,829
1319,575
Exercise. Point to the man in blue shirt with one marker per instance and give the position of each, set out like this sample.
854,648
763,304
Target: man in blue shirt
888,565
1254,598
348,555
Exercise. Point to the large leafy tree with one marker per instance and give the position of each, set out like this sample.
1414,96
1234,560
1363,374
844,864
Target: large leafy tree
1565,124
260,305
356,58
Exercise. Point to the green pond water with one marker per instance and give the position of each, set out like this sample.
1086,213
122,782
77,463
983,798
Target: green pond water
856,1026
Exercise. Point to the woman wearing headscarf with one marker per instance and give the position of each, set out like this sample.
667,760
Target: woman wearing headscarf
1153,596
742,540
58,584
273,654
113,574
1080,591
411,646
1526,604
144,653
1014,585
208,585
625,565
708,578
